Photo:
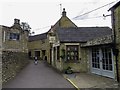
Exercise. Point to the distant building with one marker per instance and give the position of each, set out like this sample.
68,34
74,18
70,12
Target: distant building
38,46
14,49
14,38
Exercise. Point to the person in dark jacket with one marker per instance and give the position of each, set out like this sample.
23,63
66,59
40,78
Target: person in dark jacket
36,61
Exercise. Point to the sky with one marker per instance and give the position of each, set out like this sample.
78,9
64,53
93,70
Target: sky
41,14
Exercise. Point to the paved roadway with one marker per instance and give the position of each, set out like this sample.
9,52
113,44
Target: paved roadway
38,76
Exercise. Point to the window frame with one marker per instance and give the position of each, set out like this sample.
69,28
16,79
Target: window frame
14,36
72,51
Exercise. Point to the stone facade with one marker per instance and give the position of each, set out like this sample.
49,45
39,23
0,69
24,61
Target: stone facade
14,49
56,60
12,63
63,22
14,38
83,62
116,31
99,41
42,46
62,64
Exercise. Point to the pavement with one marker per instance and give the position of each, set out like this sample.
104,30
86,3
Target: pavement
38,76
85,80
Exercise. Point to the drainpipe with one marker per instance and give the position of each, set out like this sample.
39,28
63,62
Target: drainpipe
115,50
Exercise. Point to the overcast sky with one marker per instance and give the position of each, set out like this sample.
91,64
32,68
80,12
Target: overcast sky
41,14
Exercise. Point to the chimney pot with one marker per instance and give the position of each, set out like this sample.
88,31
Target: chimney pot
16,21
51,26
64,12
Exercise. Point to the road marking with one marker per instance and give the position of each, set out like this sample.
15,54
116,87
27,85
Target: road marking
72,83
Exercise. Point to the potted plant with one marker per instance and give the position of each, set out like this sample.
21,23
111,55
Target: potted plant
68,70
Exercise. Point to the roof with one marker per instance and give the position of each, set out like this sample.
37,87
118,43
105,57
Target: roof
99,41
58,23
38,37
4,26
115,6
82,34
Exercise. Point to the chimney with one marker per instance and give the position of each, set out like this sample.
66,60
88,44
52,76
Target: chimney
16,21
16,24
52,26
64,12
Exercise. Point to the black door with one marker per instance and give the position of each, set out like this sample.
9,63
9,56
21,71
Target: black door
37,54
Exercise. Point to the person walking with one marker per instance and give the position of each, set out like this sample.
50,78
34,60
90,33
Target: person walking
36,61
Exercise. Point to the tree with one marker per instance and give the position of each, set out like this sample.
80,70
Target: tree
25,26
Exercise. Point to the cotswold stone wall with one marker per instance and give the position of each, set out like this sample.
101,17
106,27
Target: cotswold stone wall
119,62
12,63
117,31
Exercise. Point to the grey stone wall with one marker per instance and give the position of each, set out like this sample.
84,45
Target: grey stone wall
12,63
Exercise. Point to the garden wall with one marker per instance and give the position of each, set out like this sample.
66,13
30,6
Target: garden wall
12,63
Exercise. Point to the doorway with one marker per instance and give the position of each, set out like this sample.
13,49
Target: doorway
37,54
43,54
102,62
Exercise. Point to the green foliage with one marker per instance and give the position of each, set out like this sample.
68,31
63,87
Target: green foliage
62,54
68,70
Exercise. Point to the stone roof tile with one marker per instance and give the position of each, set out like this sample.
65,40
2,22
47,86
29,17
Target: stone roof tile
82,34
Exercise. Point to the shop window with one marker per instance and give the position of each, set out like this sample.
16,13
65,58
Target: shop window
72,53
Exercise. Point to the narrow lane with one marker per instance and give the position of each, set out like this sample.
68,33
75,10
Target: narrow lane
38,76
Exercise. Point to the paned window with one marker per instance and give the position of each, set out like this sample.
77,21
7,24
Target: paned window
72,52
14,36
95,58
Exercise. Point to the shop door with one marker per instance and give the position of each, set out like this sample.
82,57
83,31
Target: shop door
102,62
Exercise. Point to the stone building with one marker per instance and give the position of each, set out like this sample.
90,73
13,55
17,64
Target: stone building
65,46
83,49
14,38
63,22
100,55
14,49
38,46
115,10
